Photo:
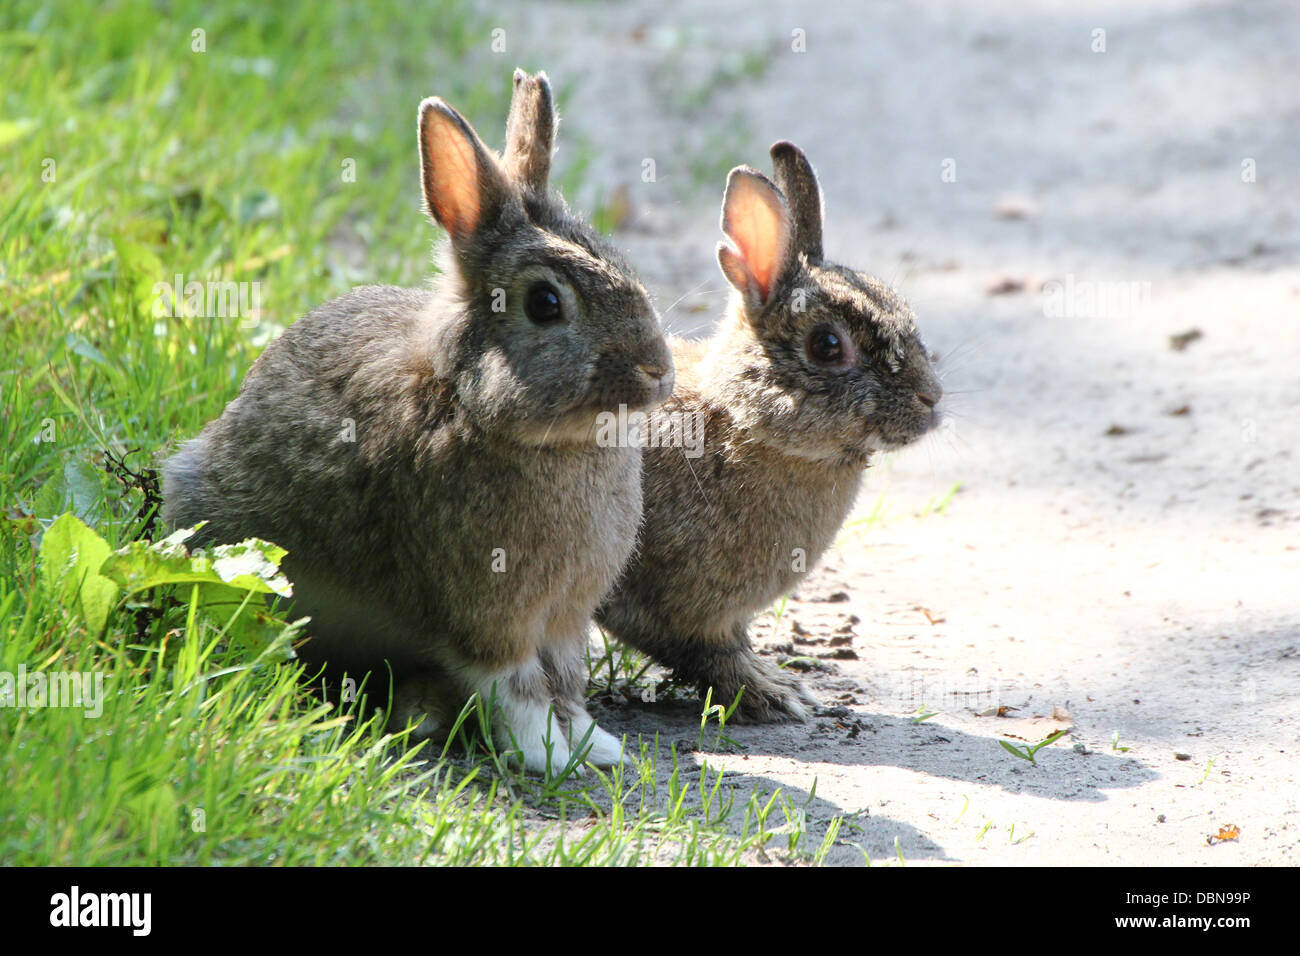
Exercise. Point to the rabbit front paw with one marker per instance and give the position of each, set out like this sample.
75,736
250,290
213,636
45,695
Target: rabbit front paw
535,733
524,717
603,748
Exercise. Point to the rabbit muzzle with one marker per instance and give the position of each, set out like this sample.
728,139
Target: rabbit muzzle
636,378
913,417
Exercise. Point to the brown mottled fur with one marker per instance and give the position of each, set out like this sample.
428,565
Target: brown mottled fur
784,448
469,530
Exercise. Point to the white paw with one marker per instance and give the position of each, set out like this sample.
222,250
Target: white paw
536,733
527,722
603,748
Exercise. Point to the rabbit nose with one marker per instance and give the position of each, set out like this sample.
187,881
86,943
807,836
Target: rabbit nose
931,397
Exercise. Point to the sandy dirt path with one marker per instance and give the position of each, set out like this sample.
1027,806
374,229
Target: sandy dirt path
1123,554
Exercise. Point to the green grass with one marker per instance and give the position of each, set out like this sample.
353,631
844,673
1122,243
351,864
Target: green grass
1028,751
939,503
880,515
280,154
859,526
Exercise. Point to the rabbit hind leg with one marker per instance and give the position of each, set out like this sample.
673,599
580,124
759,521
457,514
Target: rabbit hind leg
716,654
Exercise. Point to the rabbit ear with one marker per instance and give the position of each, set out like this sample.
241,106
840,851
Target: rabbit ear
530,131
795,177
758,252
463,182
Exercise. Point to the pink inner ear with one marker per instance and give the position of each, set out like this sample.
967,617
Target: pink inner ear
760,230
454,191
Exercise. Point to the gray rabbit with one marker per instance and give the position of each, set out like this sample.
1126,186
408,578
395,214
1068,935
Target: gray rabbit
428,457
814,367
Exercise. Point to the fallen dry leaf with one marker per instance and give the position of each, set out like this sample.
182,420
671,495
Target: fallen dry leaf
930,617
1015,207
1002,285
1181,340
1229,831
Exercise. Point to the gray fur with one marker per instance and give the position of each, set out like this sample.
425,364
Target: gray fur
795,178
473,432
530,131
784,450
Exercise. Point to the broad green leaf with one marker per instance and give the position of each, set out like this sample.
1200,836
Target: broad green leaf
77,488
50,499
253,565
71,555
86,488
250,627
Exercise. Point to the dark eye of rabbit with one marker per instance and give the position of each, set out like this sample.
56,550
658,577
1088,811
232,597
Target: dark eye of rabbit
542,303
825,345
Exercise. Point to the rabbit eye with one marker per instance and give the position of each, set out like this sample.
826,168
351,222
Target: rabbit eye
542,303
825,345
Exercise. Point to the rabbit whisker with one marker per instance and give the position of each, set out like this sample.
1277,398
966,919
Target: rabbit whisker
549,426
687,293
686,458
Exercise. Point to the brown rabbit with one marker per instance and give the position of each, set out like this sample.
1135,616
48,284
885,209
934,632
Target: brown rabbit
813,368
428,457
